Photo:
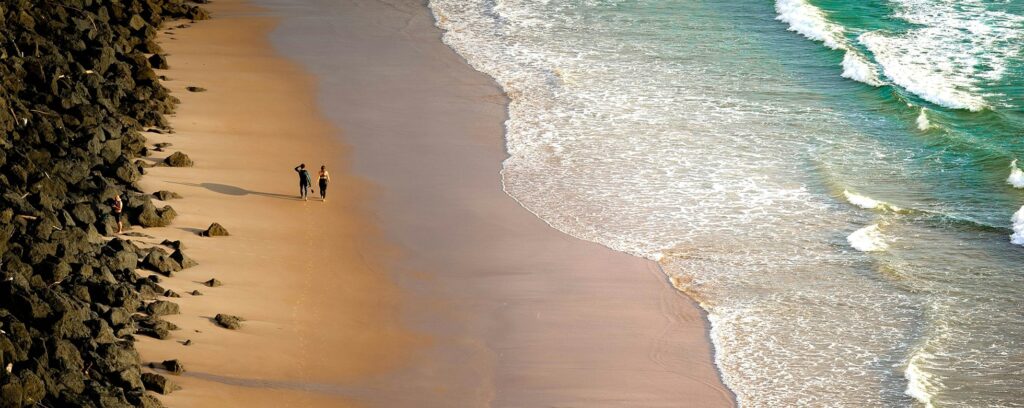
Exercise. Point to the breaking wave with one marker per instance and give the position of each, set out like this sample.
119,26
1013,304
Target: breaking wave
1016,177
1017,238
811,22
868,239
922,120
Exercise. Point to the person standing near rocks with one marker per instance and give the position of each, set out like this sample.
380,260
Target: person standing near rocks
118,206
325,178
305,182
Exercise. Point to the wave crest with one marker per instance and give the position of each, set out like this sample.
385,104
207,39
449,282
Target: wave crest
811,22
922,120
1016,177
868,239
1017,238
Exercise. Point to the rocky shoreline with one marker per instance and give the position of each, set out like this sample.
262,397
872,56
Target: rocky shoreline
78,91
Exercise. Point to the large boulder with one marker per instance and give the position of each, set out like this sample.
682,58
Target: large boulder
158,61
158,261
158,383
148,215
162,308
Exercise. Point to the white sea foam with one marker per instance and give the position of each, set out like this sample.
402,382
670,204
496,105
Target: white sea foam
868,239
616,154
811,22
957,46
864,202
857,68
1017,238
918,380
922,120
1016,178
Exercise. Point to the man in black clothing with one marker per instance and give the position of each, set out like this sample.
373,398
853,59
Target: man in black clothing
305,183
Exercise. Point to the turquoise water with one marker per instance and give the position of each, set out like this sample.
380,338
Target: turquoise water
834,181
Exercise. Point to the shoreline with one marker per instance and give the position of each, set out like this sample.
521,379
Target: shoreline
500,287
355,301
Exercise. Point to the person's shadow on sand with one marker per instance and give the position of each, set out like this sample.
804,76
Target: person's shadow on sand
236,191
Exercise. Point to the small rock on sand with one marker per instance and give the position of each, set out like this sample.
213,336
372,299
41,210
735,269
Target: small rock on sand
173,366
196,89
228,321
164,195
178,159
213,282
215,230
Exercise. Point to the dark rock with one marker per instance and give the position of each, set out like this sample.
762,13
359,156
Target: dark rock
136,22
173,366
196,89
158,261
215,230
178,159
162,308
228,321
171,294
164,195
76,87
158,61
196,293
187,342
148,215
183,259
158,383
173,244
213,282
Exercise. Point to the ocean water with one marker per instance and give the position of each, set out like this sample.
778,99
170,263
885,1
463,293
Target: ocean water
836,182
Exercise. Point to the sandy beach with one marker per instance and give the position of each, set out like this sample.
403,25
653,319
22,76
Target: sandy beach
419,282
306,276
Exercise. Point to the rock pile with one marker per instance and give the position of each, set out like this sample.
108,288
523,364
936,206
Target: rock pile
76,86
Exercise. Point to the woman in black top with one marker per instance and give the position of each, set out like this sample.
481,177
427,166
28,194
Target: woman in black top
325,178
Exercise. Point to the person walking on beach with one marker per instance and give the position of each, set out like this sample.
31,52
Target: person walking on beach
305,183
325,178
118,206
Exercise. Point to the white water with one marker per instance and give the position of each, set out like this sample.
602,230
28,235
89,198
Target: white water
951,54
868,239
704,155
811,22
1016,177
1017,238
922,120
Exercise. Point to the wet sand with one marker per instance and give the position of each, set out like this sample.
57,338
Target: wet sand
419,282
518,313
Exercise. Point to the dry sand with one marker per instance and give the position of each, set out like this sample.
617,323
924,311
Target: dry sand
306,275
419,282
